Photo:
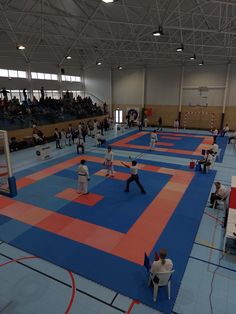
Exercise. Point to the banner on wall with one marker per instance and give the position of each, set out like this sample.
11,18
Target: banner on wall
133,113
148,112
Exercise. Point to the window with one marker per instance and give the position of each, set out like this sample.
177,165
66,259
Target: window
77,78
118,116
3,73
40,76
34,75
12,73
47,76
54,77
22,74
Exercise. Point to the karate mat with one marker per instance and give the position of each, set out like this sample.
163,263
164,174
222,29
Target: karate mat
103,236
176,144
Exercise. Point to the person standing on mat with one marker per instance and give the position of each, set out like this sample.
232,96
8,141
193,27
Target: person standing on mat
134,176
153,139
108,162
83,178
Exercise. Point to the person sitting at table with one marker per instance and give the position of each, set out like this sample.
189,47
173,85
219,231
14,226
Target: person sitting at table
219,194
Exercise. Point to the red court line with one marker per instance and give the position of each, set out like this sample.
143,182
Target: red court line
71,275
73,293
214,218
18,260
132,305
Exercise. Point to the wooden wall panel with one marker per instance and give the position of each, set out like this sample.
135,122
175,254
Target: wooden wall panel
48,129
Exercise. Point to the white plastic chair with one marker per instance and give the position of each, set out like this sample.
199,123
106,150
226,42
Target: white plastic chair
160,280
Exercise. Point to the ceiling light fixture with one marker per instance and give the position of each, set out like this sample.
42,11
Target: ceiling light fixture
193,57
180,48
108,1
99,63
201,63
68,57
120,67
159,32
20,47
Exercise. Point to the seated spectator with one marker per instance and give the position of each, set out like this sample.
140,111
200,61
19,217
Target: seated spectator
206,161
214,149
100,138
232,137
224,130
163,264
38,136
219,194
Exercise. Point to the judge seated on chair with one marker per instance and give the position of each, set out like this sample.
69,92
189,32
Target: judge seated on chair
163,264
160,274
206,161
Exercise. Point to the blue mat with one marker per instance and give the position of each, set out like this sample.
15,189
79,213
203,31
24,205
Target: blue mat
118,211
186,143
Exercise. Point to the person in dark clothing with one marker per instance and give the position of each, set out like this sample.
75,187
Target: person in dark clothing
25,94
134,176
57,136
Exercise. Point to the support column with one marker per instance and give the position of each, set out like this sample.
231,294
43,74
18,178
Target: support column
30,80
111,94
181,94
144,91
226,93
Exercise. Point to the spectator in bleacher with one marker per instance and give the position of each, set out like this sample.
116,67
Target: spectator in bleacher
42,93
38,135
4,92
57,136
219,194
25,94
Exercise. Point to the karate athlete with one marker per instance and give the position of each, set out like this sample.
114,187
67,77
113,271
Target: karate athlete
108,162
153,139
83,178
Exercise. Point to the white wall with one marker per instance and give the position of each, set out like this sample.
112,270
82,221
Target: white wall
128,87
97,82
162,86
232,87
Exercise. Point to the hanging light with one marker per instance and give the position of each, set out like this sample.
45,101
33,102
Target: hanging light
201,63
98,63
20,47
120,67
108,1
180,48
68,57
193,57
159,32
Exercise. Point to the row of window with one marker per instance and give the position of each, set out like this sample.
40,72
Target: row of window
38,75
12,73
37,94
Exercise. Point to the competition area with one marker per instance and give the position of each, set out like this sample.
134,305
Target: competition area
172,144
108,227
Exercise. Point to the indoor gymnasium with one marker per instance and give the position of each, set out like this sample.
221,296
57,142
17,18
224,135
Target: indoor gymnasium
117,157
